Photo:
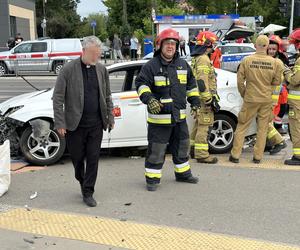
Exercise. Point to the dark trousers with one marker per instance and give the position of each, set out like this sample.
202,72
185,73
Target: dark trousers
182,50
133,53
84,147
159,137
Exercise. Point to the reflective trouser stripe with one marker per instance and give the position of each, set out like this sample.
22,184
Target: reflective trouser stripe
153,173
296,151
272,133
143,89
181,168
201,146
294,95
159,119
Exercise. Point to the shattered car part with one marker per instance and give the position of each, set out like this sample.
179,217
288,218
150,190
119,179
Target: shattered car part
8,132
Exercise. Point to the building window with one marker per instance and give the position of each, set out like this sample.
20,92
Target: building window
13,26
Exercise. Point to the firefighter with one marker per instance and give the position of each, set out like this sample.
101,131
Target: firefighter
206,79
279,99
293,81
164,84
256,75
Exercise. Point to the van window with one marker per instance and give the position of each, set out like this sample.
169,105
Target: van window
247,49
66,45
39,47
23,48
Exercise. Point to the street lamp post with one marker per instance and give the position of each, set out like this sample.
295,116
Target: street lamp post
236,6
292,16
43,24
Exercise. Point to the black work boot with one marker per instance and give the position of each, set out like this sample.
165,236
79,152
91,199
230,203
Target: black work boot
233,160
208,160
191,179
89,201
152,187
293,161
277,148
256,161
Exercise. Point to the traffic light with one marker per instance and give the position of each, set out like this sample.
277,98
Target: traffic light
284,7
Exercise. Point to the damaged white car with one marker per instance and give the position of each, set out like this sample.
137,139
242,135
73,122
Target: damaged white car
28,119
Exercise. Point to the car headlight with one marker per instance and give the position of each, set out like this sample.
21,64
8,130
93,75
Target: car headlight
12,110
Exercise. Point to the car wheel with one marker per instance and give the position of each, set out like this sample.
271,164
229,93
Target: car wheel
57,67
42,151
3,69
221,134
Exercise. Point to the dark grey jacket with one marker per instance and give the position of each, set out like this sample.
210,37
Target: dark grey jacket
69,93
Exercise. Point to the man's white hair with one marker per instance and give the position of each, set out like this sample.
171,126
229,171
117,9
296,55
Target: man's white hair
91,41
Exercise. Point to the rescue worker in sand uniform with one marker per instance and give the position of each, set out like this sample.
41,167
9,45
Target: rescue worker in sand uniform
206,79
255,77
164,84
274,138
293,81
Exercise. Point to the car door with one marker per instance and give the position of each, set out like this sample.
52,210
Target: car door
21,57
130,113
231,58
39,57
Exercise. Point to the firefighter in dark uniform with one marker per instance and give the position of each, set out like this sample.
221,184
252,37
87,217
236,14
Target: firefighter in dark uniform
164,84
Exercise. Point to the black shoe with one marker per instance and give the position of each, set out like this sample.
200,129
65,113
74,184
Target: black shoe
233,160
293,161
191,179
277,148
90,201
151,187
256,161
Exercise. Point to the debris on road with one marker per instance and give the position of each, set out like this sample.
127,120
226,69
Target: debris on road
33,196
28,241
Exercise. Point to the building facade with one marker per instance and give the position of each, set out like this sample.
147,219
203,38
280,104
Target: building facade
17,16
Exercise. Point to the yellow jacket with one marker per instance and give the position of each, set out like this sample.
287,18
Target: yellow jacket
203,70
293,79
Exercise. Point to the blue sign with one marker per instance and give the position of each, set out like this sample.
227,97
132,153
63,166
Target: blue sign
93,23
194,18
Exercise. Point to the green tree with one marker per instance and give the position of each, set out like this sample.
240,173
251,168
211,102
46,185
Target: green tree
100,30
62,18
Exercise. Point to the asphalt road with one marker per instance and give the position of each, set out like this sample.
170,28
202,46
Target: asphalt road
252,203
13,86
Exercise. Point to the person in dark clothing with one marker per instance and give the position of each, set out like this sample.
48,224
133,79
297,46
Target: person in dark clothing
165,84
82,107
11,43
18,39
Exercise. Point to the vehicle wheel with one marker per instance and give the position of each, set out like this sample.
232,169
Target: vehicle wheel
221,134
42,151
3,69
57,67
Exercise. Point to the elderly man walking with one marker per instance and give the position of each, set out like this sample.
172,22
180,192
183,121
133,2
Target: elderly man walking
82,107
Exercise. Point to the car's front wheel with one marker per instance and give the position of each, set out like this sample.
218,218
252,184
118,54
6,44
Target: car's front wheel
42,151
221,134
3,69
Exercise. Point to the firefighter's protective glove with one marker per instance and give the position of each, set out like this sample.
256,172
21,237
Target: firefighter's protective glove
215,103
154,106
216,97
195,111
206,97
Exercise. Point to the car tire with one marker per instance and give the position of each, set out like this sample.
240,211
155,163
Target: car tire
222,133
57,67
39,152
3,69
